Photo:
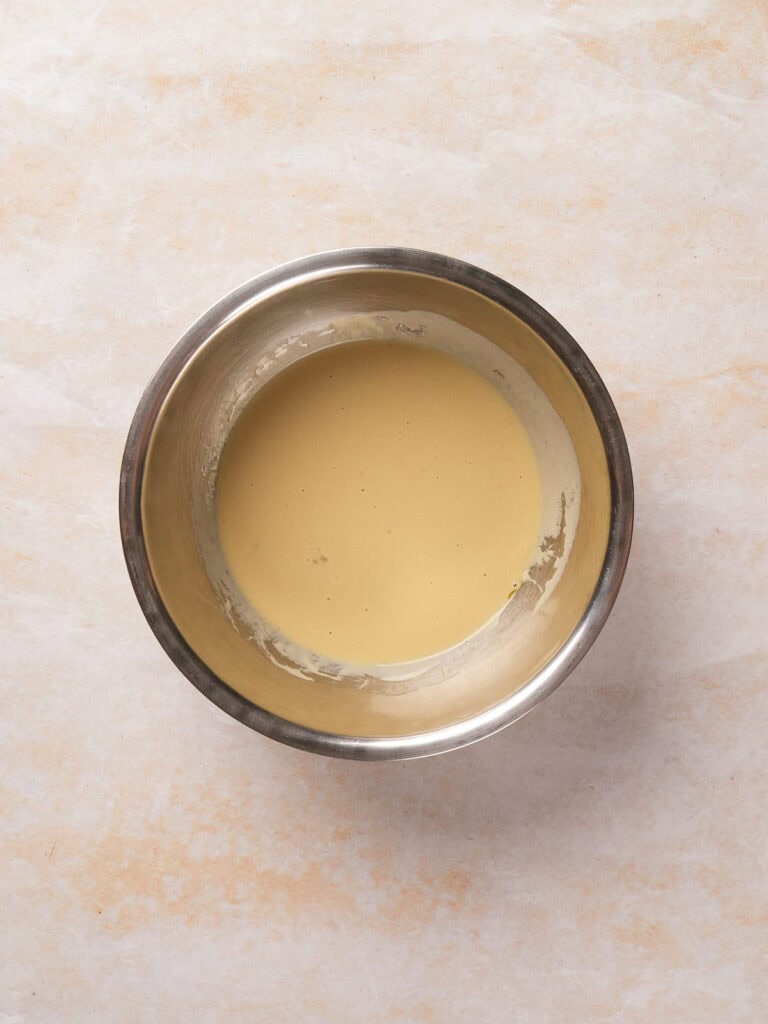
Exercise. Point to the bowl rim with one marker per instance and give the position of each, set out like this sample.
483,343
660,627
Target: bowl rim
550,676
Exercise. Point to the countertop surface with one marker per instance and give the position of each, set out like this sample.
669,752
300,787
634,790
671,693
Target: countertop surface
605,858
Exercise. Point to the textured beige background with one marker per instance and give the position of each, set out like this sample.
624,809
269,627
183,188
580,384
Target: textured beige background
603,860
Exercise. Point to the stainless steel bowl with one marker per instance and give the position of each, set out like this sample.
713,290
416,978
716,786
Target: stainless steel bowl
169,532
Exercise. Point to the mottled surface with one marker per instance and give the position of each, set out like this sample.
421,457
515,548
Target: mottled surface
605,858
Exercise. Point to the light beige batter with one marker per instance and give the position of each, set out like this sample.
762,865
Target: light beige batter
378,501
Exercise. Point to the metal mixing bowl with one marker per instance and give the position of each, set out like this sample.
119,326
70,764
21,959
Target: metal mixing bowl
168,525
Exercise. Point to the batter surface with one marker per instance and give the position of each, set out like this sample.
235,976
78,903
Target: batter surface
378,501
